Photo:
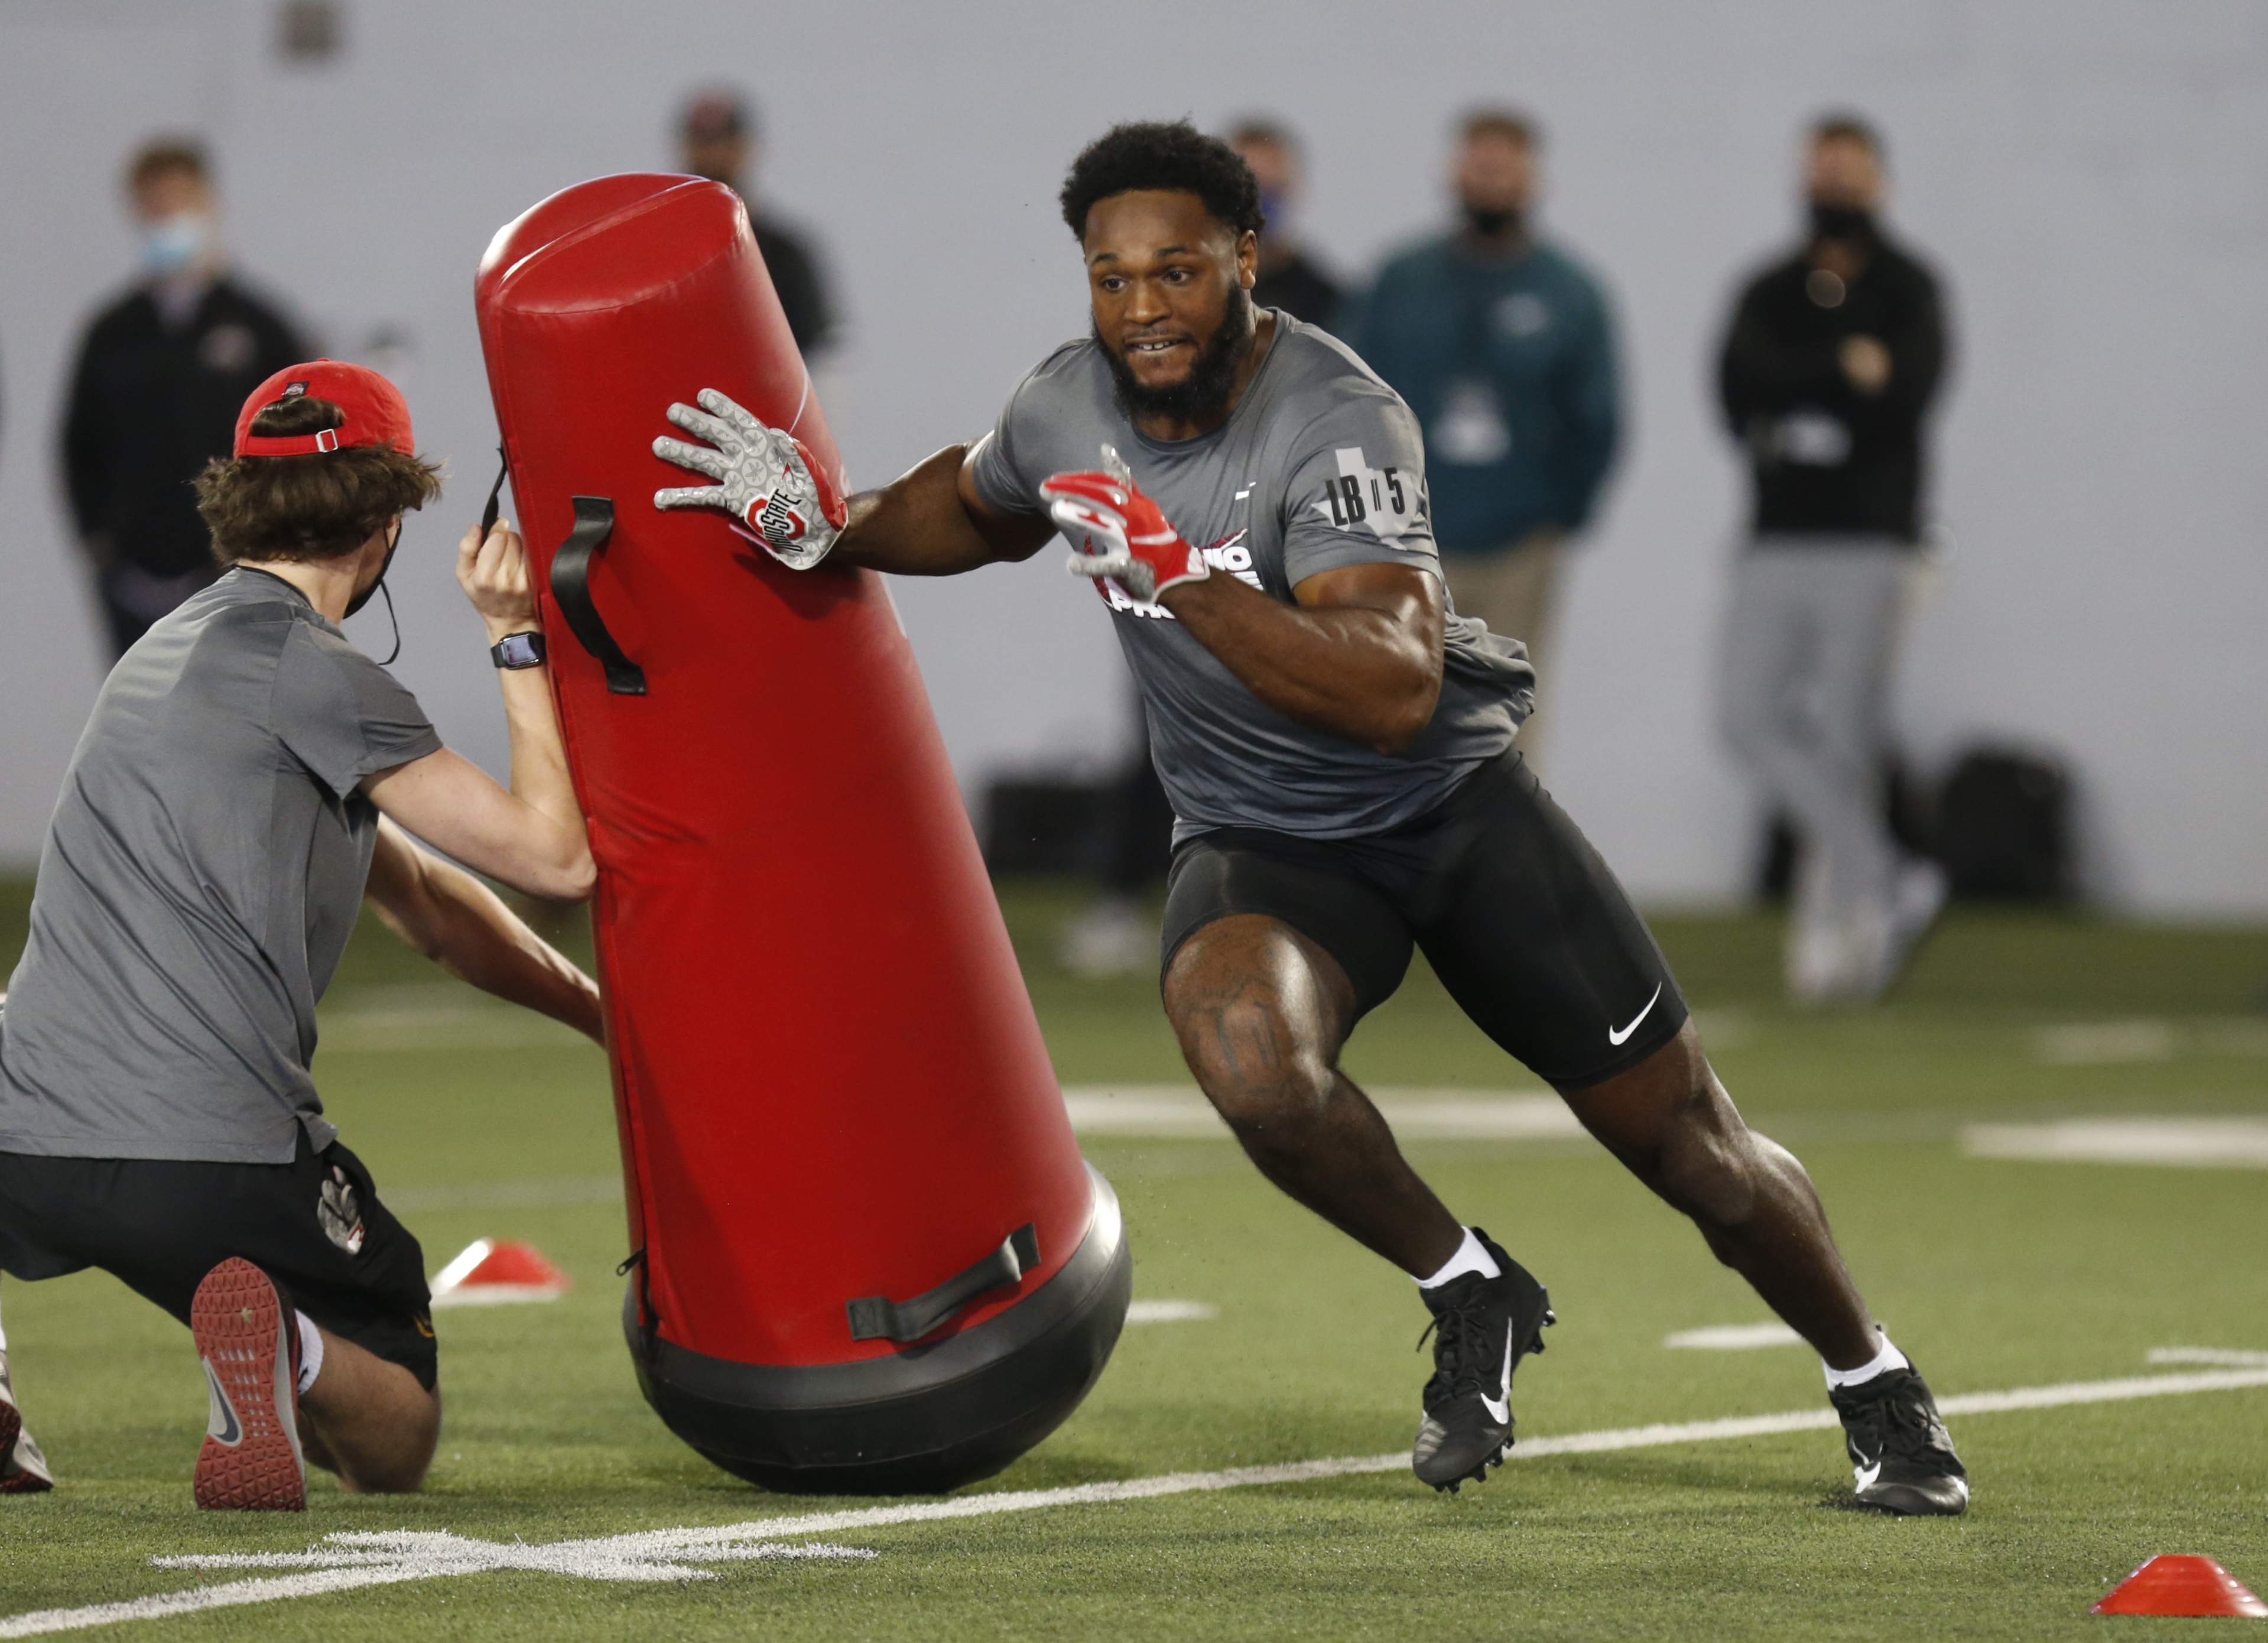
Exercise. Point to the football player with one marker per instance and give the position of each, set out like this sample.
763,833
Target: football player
1249,499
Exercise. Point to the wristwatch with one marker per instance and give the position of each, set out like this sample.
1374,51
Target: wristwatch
518,649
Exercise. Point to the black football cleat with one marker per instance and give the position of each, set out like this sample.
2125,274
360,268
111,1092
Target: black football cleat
1481,1328
1902,1458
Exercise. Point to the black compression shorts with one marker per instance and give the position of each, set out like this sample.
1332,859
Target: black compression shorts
314,1225
1520,918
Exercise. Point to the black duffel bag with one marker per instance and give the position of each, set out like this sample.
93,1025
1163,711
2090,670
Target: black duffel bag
2004,827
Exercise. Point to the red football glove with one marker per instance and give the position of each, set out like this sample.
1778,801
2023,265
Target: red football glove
1121,534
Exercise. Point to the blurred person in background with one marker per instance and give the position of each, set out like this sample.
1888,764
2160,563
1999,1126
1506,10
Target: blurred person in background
1830,368
1115,935
1288,278
154,395
1503,345
719,137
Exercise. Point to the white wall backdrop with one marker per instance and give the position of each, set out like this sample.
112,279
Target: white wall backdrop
2091,175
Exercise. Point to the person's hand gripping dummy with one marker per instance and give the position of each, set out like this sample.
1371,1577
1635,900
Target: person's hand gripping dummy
767,480
1120,532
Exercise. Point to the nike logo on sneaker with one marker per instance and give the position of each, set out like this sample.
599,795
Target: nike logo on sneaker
222,1427
1866,1474
1618,1039
1500,1407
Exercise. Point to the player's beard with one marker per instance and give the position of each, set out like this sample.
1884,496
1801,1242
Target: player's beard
1205,391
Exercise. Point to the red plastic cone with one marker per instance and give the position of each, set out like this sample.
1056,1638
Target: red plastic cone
2182,1586
490,1272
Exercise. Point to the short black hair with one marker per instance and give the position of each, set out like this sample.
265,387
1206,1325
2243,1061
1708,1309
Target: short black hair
1163,154
1843,126
1495,121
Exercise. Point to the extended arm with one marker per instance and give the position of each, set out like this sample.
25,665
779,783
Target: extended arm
458,922
1359,656
929,521
532,837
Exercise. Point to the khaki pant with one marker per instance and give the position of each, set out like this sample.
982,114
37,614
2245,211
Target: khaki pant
1515,591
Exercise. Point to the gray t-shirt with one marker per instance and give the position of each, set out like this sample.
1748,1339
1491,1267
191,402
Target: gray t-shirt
1319,466
203,870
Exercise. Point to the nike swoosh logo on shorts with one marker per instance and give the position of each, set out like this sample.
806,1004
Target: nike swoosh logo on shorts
1499,1407
1619,1039
222,1427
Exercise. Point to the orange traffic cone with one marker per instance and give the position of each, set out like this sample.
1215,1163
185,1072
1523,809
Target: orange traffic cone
490,1272
2182,1586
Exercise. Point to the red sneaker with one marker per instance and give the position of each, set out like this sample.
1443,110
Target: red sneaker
250,1344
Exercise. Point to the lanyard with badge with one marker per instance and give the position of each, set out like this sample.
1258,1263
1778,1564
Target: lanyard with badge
1470,430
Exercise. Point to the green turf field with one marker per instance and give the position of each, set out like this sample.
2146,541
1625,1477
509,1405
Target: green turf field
1993,1272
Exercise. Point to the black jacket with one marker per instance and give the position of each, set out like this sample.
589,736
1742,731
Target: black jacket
1828,460
149,406
1301,289
796,278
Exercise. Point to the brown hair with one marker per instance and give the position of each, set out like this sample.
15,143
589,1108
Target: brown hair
318,507
168,154
1510,125
1848,127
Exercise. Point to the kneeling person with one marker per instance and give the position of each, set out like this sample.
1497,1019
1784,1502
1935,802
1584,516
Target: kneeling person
246,777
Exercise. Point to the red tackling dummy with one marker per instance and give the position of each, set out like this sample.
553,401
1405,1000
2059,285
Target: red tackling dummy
840,1131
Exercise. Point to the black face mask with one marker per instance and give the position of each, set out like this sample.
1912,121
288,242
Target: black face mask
1495,222
1205,390
1842,222
364,597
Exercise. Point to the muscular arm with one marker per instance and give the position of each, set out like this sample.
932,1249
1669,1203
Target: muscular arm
1359,656
458,922
929,521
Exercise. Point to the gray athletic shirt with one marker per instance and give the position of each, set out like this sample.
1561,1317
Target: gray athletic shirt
1320,466
202,871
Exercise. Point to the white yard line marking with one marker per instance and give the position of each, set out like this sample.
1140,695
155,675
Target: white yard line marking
2188,1142
1734,1338
1417,1113
2207,1355
2104,1043
367,1560
1171,1312
662,1554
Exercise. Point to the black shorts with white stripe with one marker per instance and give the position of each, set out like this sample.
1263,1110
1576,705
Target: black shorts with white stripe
1520,918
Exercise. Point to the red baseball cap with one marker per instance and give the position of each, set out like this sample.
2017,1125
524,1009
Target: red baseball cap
376,412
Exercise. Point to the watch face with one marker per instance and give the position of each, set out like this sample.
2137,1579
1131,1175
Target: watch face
520,650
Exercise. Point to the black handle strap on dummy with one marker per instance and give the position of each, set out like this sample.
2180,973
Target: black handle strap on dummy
570,586
488,513
649,1320
878,1319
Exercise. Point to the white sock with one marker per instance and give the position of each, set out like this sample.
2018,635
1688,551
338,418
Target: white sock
310,1352
1471,1256
1889,1358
